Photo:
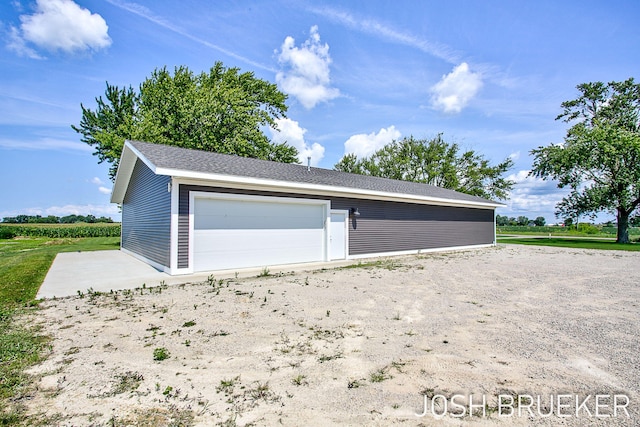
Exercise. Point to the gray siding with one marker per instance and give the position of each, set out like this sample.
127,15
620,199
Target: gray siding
393,226
146,215
381,227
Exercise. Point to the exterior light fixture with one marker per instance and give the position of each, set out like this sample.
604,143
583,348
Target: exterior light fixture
354,212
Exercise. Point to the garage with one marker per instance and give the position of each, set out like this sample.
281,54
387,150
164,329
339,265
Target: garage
186,211
236,231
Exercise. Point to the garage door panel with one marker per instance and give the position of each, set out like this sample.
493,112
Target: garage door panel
236,233
218,214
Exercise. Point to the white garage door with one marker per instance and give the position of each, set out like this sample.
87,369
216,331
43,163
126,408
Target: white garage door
256,232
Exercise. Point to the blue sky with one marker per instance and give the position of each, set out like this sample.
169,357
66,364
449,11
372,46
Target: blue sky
488,75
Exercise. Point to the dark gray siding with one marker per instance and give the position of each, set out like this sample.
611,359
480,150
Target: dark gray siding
393,226
381,227
146,215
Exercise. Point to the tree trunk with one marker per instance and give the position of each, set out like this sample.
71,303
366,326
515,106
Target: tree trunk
623,226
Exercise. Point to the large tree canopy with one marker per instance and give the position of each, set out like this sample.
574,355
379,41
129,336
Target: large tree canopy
600,157
223,111
434,162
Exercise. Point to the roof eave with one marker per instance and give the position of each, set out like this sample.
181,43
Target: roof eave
305,188
125,169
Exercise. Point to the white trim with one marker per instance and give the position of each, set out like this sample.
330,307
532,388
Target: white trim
326,207
173,238
421,251
125,170
247,183
152,263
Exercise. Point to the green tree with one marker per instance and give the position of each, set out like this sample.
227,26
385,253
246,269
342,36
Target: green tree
502,220
540,221
522,220
110,124
600,157
434,162
224,111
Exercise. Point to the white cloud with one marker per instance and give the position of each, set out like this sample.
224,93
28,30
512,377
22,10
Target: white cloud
44,144
532,196
145,13
110,210
390,34
454,91
101,188
307,77
19,45
291,133
59,25
363,144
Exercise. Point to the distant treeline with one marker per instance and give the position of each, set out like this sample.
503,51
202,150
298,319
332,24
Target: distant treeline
52,219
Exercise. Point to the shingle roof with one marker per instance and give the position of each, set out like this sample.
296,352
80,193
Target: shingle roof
182,159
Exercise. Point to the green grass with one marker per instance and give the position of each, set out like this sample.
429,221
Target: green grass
24,263
574,243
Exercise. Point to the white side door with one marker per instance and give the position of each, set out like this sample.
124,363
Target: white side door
338,234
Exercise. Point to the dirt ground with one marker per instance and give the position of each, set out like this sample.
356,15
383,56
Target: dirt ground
404,341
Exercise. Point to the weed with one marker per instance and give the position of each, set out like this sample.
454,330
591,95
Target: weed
428,392
187,343
379,375
129,381
328,313
398,366
299,380
189,324
355,383
160,354
327,358
264,272
226,386
397,316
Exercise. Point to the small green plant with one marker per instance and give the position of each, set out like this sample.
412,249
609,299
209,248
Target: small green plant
128,381
226,386
160,354
397,316
379,375
398,366
299,380
355,384
264,272
327,358
189,324
328,313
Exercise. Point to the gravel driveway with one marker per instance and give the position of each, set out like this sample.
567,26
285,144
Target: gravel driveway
402,341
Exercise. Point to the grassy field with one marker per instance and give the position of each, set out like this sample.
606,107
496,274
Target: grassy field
57,231
568,242
24,263
585,230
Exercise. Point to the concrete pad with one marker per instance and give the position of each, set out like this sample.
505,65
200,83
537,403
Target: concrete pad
104,271
100,270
